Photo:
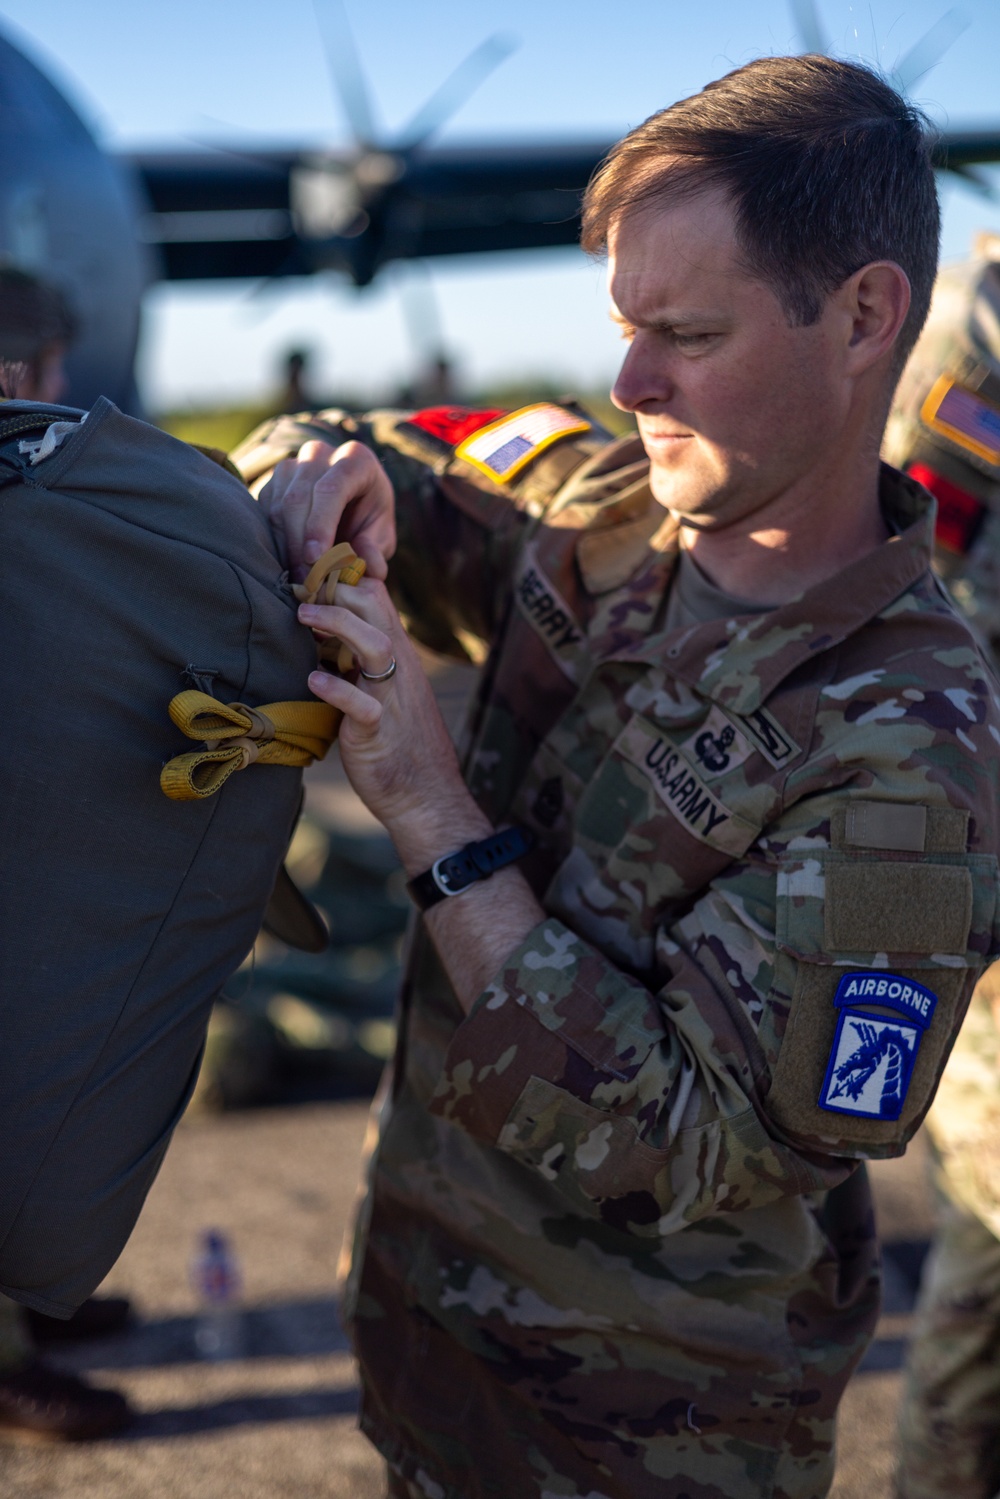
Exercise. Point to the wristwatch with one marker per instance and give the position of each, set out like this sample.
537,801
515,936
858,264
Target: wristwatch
454,873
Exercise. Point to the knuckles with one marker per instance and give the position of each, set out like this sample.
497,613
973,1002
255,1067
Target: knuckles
315,451
351,461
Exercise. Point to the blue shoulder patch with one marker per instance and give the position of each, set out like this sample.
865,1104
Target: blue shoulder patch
871,1060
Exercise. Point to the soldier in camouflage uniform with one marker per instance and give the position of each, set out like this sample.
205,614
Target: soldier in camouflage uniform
618,1237
945,427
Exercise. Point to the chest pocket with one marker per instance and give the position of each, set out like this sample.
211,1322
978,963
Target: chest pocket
645,833
878,953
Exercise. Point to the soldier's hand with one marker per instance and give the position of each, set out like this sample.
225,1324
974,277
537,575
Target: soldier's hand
393,741
328,494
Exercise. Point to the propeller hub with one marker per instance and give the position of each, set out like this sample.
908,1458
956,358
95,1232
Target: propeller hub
379,169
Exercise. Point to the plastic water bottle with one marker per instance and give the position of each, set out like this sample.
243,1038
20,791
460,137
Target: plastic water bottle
215,1275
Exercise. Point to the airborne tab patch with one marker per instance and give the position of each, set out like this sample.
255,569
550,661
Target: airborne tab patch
504,448
871,1060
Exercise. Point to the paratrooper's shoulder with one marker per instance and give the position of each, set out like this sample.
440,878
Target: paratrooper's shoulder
548,461
530,454
280,437
915,701
556,462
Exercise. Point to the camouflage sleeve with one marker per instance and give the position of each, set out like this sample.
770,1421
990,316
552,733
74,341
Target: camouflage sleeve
458,536
644,1107
656,1107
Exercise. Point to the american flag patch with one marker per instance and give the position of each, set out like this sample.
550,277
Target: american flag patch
964,417
504,448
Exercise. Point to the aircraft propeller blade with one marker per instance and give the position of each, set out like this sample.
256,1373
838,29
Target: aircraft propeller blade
929,50
345,69
421,312
805,14
456,89
264,156
977,181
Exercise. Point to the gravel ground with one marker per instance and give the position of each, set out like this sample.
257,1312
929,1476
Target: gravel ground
279,1421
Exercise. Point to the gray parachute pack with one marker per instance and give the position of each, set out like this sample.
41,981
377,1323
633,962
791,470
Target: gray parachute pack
132,567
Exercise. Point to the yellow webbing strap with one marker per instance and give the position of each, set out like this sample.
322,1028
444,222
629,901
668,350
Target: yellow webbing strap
338,565
235,736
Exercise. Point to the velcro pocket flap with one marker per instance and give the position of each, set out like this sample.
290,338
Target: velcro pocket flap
897,907
855,908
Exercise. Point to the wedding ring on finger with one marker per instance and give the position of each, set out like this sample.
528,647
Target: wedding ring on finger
380,676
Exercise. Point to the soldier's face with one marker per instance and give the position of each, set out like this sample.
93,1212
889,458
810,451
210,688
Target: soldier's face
734,406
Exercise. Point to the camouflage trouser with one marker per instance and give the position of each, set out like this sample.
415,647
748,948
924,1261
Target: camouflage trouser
15,1345
950,1420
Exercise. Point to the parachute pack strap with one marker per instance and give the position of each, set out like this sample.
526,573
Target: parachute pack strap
27,421
338,565
18,426
234,736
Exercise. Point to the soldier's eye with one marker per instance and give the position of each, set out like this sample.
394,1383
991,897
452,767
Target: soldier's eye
691,340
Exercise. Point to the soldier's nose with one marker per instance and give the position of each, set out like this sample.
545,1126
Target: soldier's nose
640,380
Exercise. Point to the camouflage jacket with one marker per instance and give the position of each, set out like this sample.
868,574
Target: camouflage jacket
616,1242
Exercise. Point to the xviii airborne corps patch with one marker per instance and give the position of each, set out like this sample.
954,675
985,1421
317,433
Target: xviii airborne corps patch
871,1061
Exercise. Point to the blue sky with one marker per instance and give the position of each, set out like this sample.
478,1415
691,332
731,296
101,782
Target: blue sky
245,72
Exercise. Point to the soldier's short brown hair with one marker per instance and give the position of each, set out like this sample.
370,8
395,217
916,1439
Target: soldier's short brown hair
828,169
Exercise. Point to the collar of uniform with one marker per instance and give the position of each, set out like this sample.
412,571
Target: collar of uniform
740,662
621,537
609,502
609,486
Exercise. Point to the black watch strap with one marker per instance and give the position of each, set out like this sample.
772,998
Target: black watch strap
476,861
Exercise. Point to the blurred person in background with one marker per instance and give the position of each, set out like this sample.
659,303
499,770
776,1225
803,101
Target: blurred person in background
37,1400
36,330
944,429
296,394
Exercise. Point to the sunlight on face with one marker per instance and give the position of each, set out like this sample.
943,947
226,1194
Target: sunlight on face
733,404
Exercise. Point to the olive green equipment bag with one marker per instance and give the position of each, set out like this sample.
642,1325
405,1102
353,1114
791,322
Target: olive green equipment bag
150,645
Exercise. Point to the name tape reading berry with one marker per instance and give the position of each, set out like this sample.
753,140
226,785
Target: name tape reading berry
551,618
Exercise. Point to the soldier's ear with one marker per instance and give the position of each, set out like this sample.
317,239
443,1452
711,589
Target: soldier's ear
874,303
